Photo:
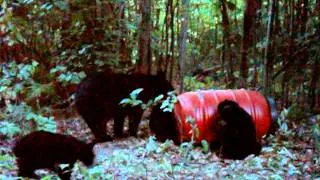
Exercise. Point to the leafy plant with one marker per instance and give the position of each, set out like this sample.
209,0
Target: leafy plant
19,118
316,135
205,146
133,99
71,77
9,129
168,104
186,147
185,150
42,123
282,121
194,128
192,84
6,161
151,145
295,112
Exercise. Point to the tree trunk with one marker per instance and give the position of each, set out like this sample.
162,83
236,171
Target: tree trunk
167,20
304,52
225,48
317,8
315,76
257,54
248,29
124,56
144,62
172,43
268,53
183,41
157,52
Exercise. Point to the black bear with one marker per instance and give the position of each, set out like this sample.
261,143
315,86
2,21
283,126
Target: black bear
41,149
238,135
163,125
98,96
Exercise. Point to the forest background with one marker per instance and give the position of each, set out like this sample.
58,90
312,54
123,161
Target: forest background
272,46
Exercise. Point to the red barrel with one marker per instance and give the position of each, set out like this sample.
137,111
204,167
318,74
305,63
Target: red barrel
202,107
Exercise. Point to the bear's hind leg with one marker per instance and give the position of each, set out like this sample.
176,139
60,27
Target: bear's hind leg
118,124
134,120
98,126
26,169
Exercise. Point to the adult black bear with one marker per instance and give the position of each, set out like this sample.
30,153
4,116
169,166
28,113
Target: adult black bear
41,149
238,135
163,125
99,94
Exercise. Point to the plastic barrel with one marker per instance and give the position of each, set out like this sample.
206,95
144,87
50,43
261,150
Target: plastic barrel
202,107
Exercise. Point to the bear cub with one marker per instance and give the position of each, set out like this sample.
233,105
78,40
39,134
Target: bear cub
98,96
238,135
45,150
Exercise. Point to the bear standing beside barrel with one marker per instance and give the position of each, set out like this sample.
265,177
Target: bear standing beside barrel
202,106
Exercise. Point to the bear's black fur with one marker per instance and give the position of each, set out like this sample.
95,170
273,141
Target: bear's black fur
99,94
238,135
41,149
163,125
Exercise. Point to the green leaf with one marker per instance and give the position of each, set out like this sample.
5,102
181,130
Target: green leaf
151,145
3,88
167,110
58,68
158,98
205,146
164,104
29,116
144,106
137,102
61,5
125,101
9,129
135,93
34,64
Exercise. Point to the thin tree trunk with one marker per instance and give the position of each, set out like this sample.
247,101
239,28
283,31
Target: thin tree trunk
317,8
304,53
268,53
183,41
225,48
157,52
288,58
144,62
123,50
315,76
215,35
248,28
286,15
172,43
167,24
292,18
256,53
285,54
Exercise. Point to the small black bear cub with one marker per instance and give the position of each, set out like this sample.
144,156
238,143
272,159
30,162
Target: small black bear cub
99,94
45,150
163,125
238,135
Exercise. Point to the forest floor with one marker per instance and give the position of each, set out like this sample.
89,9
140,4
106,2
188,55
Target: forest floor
290,154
